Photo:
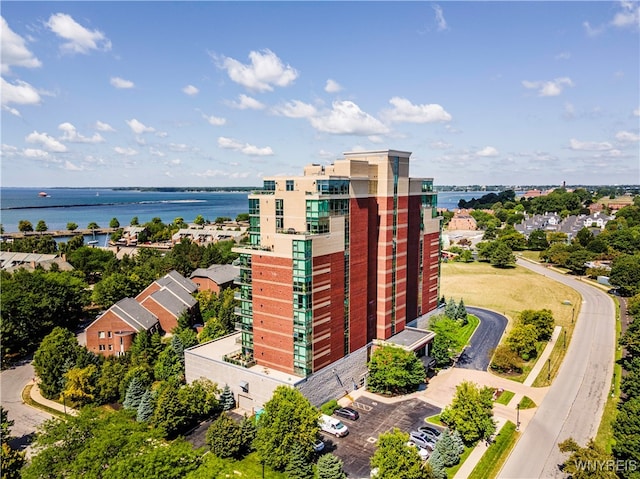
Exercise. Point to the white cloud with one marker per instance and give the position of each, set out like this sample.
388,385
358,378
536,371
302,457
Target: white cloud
442,23
224,174
79,39
636,112
332,86
404,111
629,16
72,167
125,151
35,153
376,139
245,148
49,143
190,90
71,134
563,56
100,126
246,103
264,72
138,128
589,145
488,151
592,31
627,137
174,162
14,51
121,83
295,109
11,110
439,145
346,118
180,147
214,120
548,88
155,152
19,93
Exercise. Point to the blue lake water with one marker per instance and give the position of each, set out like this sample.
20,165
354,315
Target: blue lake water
85,205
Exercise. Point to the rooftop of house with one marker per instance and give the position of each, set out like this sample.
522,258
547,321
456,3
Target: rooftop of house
175,277
10,261
134,314
174,299
219,273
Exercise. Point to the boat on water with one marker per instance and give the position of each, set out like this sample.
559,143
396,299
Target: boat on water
43,194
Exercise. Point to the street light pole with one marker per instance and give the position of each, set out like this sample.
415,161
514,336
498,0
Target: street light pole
549,373
573,311
518,417
564,344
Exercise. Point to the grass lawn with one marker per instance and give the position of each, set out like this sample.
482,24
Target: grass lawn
464,334
26,398
451,471
532,255
491,462
435,420
505,397
604,437
527,403
249,468
509,291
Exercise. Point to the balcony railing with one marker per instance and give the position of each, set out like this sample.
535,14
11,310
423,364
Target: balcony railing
239,359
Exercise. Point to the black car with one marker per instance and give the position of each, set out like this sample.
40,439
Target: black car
347,413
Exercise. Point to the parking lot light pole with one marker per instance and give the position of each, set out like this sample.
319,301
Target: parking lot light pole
549,373
518,417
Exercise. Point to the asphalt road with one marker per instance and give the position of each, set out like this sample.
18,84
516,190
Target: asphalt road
477,355
574,404
26,419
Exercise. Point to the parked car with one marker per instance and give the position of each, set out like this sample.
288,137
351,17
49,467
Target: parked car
431,432
318,445
333,426
422,440
424,453
347,413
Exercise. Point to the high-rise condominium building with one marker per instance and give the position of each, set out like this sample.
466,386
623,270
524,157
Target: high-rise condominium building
341,256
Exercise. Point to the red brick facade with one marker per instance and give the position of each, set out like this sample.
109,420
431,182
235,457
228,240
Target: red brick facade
109,335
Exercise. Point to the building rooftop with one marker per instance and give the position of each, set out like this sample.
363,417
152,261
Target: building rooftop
411,338
134,314
220,273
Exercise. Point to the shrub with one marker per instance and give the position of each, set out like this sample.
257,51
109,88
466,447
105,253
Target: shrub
330,406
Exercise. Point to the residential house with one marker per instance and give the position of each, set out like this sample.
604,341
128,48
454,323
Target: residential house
216,277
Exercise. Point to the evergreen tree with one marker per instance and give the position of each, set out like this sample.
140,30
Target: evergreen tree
461,313
450,309
437,465
226,399
299,466
178,348
330,467
224,437
248,432
135,391
145,408
448,449
457,439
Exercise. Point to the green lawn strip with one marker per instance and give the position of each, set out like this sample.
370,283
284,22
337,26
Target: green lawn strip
249,467
530,255
451,471
494,457
26,397
434,420
604,437
527,403
505,397
465,333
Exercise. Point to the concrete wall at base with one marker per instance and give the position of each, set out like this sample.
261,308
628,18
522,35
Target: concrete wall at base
337,379
260,387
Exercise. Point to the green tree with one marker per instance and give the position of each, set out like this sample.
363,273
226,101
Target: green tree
226,399
461,313
287,418
448,449
134,221
577,260
299,466
541,319
145,408
93,226
56,355
471,412
537,240
135,391
200,399
394,459
80,385
224,437
71,226
450,309
25,226
41,226
114,223
12,459
502,256
586,462
199,220
395,370
522,339
445,345
115,287
242,217
170,415
506,360
584,236
626,433
248,431
330,467
625,274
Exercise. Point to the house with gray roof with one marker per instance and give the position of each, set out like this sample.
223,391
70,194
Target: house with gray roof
216,277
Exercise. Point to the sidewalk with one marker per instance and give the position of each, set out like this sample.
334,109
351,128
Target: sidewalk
37,397
467,468
542,360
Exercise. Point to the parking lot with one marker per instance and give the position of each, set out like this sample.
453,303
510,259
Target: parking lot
358,446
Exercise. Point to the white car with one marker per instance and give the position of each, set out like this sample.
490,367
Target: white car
333,426
424,453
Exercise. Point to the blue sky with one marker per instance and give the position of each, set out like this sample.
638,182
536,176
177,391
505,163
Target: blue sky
224,93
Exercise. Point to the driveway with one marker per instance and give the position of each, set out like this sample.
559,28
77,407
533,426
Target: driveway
477,355
376,417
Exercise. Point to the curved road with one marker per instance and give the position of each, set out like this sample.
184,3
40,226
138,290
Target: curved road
574,404
26,419
486,337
